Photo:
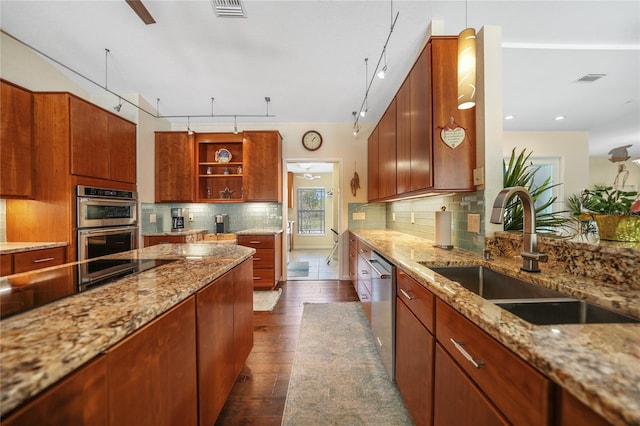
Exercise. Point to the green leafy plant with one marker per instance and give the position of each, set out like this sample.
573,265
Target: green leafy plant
521,172
607,200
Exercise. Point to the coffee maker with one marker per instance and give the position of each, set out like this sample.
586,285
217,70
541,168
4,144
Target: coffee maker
177,219
222,223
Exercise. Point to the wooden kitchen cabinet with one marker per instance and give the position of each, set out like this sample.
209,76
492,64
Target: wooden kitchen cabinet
519,392
263,166
353,260
363,287
458,401
152,375
387,153
414,373
103,145
373,144
267,260
16,136
79,399
225,337
174,157
570,411
219,180
14,263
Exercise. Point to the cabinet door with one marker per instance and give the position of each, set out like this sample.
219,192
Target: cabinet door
452,168
216,356
421,122
403,137
16,146
457,400
79,399
152,374
263,166
387,153
89,140
174,167
570,411
122,149
372,166
414,365
242,313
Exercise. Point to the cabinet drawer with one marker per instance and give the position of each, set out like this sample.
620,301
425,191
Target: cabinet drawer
6,264
521,393
256,241
263,259
264,278
353,242
364,250
417,298
36,259
152,240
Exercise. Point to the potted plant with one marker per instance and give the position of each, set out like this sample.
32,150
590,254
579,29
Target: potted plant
616,212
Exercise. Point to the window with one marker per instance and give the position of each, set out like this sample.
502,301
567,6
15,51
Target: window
311,210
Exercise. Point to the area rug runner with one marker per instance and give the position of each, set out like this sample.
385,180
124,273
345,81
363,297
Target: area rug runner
298,269
337,376
266,300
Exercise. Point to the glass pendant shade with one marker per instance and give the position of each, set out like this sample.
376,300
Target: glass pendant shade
467,69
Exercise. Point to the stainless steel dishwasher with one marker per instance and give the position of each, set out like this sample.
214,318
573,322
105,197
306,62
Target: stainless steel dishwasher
383,295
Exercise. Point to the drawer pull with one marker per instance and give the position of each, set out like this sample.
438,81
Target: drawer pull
256,259
256,278
466,354
44,259
364,272
406,294
255,242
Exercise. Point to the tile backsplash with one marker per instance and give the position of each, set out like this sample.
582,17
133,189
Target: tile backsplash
396,215
241,216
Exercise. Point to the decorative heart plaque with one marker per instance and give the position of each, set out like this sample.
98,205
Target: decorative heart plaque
452,137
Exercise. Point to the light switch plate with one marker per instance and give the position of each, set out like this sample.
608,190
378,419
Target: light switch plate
393,217
152,218
358,216
190,217
478,176
473,223
413,217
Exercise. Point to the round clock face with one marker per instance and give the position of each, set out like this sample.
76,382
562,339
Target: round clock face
312,140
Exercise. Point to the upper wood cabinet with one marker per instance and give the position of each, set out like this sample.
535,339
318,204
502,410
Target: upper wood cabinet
219,167
174,158
411,157
16,146
263,166
103,145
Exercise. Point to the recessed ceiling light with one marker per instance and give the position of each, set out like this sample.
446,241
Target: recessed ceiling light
509,117
560,118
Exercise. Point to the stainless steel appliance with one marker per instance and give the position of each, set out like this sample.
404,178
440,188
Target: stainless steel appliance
222,223
106,224
383,295
100,207
178,219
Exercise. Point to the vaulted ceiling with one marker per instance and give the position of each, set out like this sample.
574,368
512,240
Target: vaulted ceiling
307,56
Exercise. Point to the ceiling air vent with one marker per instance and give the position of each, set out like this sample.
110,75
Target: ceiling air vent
228,8
589,78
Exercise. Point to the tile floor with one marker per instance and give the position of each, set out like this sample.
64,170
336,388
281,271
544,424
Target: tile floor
318,268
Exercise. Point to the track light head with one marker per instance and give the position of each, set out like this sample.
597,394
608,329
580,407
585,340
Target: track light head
383,72
119,106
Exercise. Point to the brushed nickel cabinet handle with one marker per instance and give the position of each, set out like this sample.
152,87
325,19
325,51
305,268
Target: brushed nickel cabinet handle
466,354
44,259
406,294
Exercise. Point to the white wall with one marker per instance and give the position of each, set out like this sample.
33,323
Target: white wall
603,172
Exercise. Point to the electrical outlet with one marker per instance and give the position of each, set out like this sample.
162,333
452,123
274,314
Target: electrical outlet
393,217
152,218
473,223
413,217
358,216
190,217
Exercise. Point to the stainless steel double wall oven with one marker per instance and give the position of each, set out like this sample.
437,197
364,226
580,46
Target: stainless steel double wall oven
107,223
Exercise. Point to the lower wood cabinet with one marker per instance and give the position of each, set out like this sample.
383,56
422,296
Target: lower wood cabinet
458,401
570,411
267,261
152,240
80,399
353,259
152,376
25,261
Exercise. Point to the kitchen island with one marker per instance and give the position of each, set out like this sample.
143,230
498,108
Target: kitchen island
599,364
44,345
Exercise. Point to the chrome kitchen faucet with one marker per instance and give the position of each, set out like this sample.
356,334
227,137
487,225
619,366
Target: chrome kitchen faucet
530,255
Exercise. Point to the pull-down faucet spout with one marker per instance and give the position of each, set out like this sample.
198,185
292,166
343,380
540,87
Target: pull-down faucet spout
530,255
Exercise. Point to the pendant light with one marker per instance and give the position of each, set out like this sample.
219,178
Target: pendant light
467,68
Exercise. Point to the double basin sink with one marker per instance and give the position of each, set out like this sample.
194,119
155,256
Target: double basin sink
531,302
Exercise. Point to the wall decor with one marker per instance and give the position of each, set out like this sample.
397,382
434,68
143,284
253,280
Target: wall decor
452,134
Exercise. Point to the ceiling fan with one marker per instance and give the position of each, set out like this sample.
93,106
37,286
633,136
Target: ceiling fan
308,176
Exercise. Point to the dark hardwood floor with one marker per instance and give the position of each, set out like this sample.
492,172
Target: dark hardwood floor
259,394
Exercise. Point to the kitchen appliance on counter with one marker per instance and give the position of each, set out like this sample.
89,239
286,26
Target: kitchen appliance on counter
383,296
221,222
178,216
107,222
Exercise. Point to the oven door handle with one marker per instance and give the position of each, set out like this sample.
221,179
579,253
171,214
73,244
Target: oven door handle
107,231
105,202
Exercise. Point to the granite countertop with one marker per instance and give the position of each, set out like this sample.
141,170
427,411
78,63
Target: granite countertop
41,346
183,232
597,363
8,248
259,231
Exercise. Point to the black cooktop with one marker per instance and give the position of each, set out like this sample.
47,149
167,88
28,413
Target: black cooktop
23,292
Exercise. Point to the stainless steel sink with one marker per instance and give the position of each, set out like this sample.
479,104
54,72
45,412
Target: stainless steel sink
531,302
494,285
567,311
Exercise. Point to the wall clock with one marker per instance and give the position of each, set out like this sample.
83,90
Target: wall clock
312,140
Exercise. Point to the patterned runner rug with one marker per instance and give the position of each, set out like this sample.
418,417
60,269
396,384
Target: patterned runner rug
338,377
266,300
